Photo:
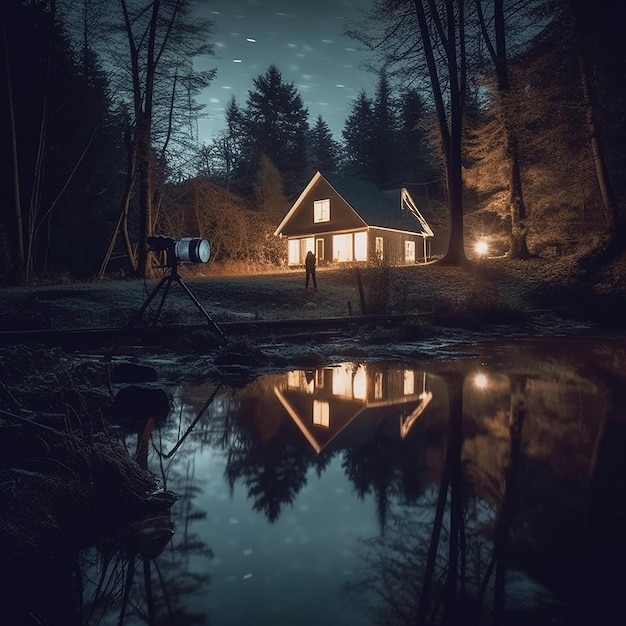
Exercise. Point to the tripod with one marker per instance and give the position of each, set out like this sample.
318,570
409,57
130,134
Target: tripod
166,283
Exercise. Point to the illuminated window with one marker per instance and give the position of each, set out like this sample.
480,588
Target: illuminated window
298,248
342,381
319,379
321,211
409,252
378,385
359,384
379,248
293,379
360,246
350,247
409,382
297,379
321,413
342,247
294,252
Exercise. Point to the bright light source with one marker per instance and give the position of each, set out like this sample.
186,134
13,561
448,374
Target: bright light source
481,381
481,247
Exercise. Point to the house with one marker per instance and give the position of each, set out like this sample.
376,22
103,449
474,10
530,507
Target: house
330,402
345,220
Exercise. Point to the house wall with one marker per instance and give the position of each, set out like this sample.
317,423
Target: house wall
394,246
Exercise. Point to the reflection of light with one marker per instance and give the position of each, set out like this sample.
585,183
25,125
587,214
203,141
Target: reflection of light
349,382
481,381
359,384
321,413
293,379
378,385
409,382
405,425
342,382
297,379
481,247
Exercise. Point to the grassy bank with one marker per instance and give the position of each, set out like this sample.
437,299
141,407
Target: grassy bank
489,287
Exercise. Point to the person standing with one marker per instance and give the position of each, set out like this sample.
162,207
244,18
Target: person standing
309,264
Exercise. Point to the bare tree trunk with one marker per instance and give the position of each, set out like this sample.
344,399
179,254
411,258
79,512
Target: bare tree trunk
602,175
18,244
455,580
122,223
143,93
517,208
517,416
450,29
38,168
145,196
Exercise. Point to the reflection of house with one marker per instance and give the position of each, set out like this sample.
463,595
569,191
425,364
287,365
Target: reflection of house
345,220
324,402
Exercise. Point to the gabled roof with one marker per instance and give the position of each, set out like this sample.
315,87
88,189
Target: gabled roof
393,209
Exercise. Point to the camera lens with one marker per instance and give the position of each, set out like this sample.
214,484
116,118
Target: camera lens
192,250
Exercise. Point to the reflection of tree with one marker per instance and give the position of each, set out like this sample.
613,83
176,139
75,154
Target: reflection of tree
501,540
144,572
450,482
428,567
386,467
597,582
273,471
370,467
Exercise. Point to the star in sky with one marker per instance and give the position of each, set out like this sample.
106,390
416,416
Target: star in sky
303,39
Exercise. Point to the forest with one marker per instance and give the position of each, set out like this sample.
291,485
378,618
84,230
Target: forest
505,117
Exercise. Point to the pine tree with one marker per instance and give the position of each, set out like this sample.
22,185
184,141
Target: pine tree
358,136
274,123
269,194
416,163
323,150
385,152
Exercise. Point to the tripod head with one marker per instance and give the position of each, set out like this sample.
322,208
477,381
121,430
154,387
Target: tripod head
158,243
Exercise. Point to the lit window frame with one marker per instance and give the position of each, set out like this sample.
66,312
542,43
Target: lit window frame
321,211
321,413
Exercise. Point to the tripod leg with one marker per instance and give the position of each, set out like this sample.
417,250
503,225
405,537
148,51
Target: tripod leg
167,287
136,318
199,306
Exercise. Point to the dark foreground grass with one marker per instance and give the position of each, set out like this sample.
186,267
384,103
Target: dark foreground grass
492,289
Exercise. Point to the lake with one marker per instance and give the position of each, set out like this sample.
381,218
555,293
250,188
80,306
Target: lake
485,489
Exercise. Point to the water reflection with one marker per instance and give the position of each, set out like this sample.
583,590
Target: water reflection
383,493
325,401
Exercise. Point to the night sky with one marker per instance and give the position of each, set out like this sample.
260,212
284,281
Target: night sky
304,39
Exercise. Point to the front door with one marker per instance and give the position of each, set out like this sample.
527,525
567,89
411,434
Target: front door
319,249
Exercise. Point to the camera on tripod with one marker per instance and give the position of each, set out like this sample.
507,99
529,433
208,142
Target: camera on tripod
186,249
